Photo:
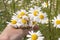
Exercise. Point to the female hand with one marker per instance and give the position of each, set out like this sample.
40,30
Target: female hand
11,33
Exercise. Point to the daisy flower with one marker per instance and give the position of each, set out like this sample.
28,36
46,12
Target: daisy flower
35,35
13,22
22,23
42,18
45,4
56,21
21,13
33,12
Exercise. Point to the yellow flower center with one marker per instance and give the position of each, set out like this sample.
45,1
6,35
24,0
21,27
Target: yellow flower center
57,22
13,21
41,16
35,13
34,37
21,14
24,21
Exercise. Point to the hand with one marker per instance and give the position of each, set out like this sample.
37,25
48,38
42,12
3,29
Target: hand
11,33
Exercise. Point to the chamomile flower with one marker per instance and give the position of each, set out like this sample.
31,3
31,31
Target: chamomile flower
42,18
56,21
45,4
13,23
35,35
23,22
21,13
35,10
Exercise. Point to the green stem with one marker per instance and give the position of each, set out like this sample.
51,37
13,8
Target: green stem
49,17
56,12
13,5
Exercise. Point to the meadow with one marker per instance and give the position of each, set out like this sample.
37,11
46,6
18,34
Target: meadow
8,7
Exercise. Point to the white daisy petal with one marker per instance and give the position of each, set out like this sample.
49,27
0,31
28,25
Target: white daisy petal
28,35
40,38
58,26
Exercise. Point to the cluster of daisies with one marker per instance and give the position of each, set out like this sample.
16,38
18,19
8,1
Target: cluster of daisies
29,18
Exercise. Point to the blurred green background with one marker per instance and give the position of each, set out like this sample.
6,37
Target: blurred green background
48,31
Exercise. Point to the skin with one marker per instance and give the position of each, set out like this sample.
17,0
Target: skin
11,33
